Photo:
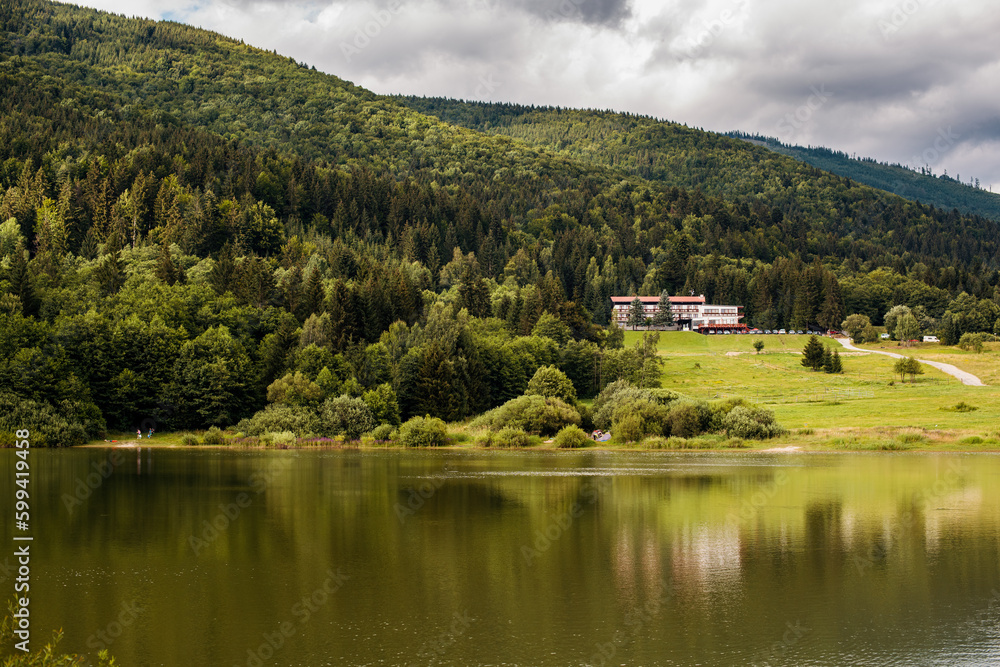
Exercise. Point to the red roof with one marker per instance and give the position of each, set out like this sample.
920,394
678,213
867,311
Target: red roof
656,299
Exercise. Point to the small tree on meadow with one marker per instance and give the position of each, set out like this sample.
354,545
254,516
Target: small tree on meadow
827,361
812,354
838,365
758,345
908,366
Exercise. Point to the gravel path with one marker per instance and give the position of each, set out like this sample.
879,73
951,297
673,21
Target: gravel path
954,371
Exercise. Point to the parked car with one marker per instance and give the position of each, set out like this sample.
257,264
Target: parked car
884,336
781,331
931,339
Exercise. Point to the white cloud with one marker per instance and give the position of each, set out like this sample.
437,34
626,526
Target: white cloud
896,72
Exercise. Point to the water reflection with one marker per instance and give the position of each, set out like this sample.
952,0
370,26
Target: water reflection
513,558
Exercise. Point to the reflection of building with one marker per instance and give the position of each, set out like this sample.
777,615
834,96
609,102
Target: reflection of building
691,313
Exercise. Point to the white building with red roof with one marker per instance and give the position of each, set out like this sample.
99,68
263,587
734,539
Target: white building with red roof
691,313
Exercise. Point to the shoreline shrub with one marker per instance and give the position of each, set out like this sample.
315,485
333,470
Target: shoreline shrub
533,414
346,415
213,436
423,432
506,438
571,437
751,424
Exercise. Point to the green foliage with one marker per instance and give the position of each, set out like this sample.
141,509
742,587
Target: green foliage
532,414
382,403
627,429
572,437
812,354
972,341
855,326
751,423
758,345
384,433
664,315
908,366
506,438
64,423
346,415
550,326
294,389
190,440
277,417
423,432
46,656
550,382
214,436
961,406
211,379
636,314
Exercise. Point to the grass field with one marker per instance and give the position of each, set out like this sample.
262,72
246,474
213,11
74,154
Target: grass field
866,396
865,408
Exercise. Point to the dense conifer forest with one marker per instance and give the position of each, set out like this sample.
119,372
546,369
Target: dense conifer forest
195,233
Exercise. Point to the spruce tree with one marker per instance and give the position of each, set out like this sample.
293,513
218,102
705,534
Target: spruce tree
664,317
812,354
21,283
838,366
636,315
827,361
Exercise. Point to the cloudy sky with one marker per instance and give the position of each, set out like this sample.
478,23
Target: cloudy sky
910,81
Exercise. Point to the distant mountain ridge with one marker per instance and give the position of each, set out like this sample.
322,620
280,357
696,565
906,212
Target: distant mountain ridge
942,190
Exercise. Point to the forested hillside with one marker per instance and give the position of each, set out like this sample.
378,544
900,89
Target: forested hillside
943,191
195,231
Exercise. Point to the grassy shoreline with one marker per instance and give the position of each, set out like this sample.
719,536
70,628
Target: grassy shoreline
844,440
867,408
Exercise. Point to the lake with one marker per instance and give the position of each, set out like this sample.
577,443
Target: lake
340,557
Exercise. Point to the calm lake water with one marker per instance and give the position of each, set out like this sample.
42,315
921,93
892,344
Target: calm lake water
511,558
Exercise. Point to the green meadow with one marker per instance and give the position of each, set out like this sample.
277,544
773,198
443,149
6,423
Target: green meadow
866,400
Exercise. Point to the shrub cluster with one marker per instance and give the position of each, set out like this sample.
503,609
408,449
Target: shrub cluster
531,414
423,432
506,438
572,437
213,436
633,413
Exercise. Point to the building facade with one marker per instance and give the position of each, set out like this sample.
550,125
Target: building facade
691,313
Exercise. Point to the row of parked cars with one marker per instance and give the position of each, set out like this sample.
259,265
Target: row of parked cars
747,332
